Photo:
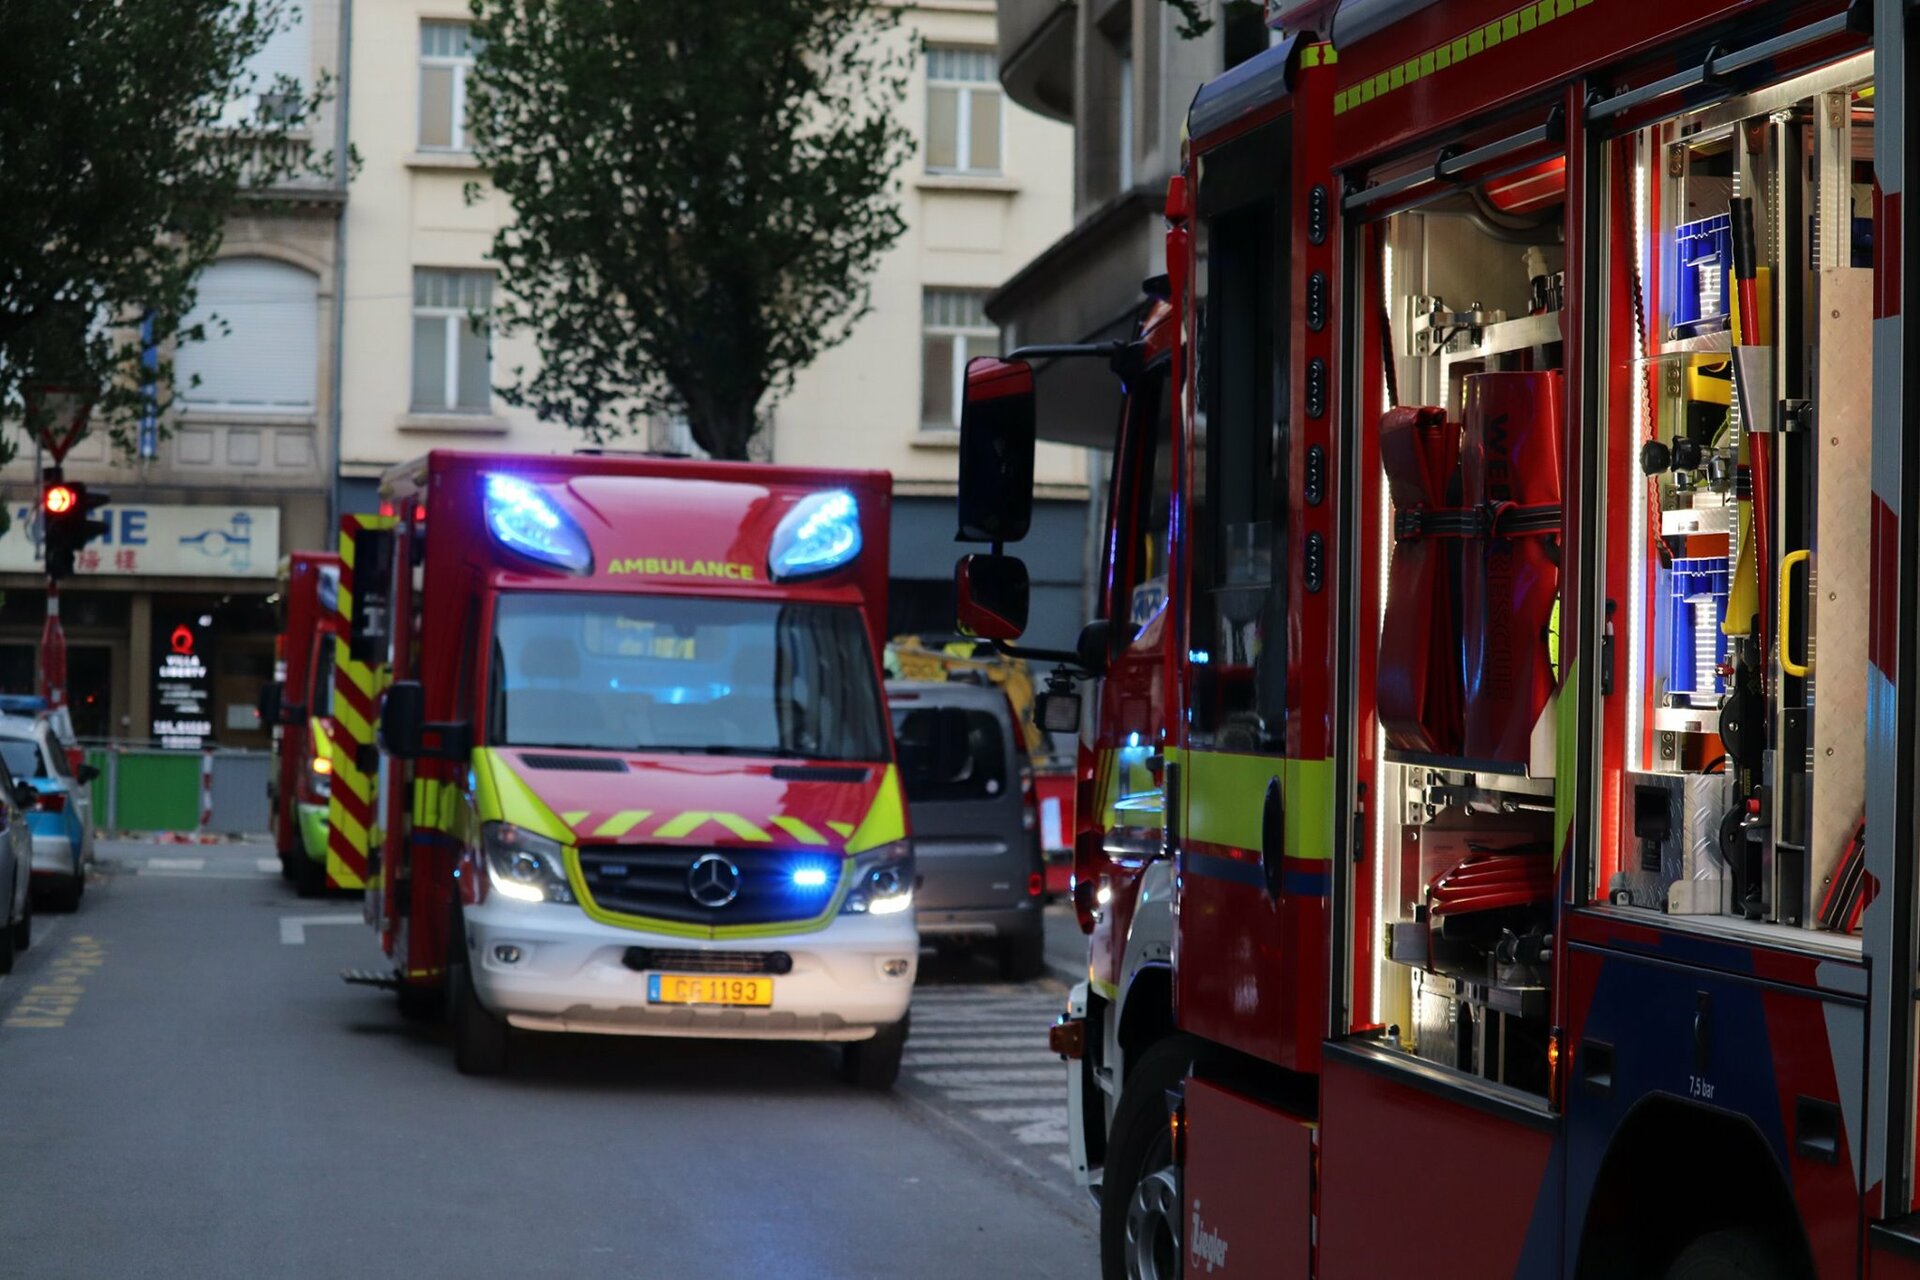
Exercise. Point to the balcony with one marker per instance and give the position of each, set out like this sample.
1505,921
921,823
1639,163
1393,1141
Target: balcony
305,183
1036,55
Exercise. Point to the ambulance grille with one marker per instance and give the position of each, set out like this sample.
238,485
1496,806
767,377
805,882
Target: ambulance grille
686,960
652,881
573,764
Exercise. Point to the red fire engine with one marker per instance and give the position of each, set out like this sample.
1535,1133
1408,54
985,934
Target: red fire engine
1536,873
299,705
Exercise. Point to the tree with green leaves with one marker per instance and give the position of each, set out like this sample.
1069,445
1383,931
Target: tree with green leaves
130,132
701,193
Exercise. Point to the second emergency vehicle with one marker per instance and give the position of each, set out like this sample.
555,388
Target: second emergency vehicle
635,771
299,705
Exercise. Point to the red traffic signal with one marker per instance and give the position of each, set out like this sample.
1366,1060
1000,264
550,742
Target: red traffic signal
67,522
60,499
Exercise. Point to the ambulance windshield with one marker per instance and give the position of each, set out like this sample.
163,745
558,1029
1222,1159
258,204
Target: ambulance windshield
684,674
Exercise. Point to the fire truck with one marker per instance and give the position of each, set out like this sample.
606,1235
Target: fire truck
299,705
626,766
1517,777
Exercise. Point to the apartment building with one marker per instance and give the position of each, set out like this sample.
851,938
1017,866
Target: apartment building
986,191
239,475
1122,75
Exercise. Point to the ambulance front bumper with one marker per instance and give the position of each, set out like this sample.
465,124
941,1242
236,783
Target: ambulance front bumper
548,967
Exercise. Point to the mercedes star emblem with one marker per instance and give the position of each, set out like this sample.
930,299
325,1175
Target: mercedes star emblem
712,881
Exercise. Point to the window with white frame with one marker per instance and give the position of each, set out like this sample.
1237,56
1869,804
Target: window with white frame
451,359
275,75
954,328
446,61
261,353
963,112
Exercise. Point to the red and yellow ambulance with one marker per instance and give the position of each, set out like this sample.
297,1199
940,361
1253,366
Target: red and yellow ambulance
634,773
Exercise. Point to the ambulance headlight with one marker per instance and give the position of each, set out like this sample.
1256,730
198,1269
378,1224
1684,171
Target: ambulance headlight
524,520
882,881
820,534
524,866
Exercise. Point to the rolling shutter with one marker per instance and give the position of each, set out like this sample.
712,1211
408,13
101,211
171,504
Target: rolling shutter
268,360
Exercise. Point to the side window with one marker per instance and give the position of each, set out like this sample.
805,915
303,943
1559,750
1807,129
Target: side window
1237,624
1142,504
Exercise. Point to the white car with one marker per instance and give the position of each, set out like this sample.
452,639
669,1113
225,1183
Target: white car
16,871
59,809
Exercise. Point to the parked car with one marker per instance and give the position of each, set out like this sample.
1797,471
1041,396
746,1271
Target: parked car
16,876
972,810
59,812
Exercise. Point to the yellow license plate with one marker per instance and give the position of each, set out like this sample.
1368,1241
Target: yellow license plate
680,988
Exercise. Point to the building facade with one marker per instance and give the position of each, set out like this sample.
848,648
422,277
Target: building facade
1123,76
985,192
238,473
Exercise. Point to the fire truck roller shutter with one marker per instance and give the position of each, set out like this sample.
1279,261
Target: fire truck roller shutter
1510,574
1419,681
550,708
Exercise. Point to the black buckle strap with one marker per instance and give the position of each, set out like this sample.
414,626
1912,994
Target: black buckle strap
1488,520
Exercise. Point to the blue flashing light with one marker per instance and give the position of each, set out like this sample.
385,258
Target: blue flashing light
821,533
810,878
523,520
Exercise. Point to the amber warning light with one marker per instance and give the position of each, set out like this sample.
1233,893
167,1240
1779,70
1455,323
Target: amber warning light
59,499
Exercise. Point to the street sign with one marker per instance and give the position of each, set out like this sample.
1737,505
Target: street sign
159,540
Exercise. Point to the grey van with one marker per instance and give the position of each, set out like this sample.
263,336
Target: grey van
971,808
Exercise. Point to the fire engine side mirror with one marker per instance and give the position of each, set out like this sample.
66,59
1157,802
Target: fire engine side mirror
405,731
996,451
990,596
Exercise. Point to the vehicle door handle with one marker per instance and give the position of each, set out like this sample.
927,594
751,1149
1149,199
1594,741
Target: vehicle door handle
1816,1129
1273,835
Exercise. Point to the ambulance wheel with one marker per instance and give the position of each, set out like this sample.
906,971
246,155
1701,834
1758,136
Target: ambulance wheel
479,1036
309,877
1140,1211
875,1064
1729,1255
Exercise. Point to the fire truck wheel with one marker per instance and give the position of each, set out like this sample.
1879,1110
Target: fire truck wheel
1022,957
875,1064
479,1036
1140,1194
1729,1255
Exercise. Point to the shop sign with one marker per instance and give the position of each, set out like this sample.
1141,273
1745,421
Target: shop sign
182,688
155,540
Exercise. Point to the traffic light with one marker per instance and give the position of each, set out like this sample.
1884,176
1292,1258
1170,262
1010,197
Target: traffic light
67,521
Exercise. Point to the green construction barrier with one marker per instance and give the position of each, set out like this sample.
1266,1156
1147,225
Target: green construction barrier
156,791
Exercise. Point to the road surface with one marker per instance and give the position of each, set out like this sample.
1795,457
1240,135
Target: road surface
187,1089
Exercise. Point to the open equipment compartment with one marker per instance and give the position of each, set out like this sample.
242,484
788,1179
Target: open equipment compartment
1744,500
1467,548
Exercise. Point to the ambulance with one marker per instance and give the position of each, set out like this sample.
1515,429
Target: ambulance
298,706
628,768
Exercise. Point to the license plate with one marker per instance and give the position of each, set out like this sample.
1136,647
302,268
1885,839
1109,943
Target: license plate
678,988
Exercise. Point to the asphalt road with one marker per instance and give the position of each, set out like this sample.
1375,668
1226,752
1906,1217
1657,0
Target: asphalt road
187,1089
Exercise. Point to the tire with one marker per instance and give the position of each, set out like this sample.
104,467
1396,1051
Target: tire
1022,957
6,952
1140,1195
309,877
23,927
65,896
480,1037
875,1064
1730,1255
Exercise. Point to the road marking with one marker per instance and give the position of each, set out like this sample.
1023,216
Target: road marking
293,929
51,1001
271,866
174,864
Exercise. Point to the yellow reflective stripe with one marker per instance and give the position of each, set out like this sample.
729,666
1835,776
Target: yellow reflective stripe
1226,792
681,825
350,720
351,778
1450,52
433,804
347,823
616,826
1566,766
742,828
574,817
843,829
500,795
886,819
798,830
